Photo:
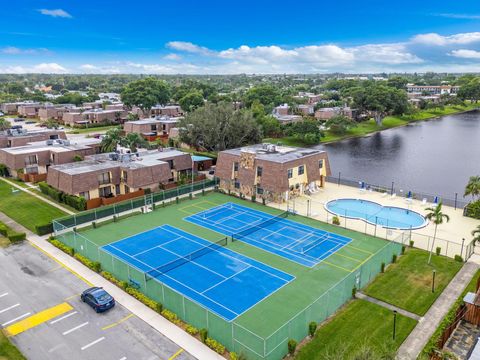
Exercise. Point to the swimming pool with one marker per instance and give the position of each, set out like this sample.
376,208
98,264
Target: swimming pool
386,216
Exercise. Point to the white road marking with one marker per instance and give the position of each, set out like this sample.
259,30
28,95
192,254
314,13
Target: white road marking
4,294
124,358
63,317
17,318
92,343
75,328
57,347
9,308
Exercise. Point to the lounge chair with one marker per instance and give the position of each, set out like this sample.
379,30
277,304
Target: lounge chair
394,195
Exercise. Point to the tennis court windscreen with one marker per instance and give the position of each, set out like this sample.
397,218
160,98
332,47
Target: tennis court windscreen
262,225
149,275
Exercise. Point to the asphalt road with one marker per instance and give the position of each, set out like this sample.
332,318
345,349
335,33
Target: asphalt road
32,286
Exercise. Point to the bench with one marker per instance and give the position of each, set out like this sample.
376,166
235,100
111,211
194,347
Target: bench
134,283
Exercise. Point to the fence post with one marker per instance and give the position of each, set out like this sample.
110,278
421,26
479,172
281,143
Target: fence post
461,251
339,175
391,192
456,195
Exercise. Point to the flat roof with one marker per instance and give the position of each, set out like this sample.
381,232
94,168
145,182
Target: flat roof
148,121
275,153
57,146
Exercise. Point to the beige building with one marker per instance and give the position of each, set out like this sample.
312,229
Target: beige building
93,116
273,172
21,137
151,127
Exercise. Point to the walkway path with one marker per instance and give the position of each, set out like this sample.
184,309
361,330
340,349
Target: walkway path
419,337
58,206
406,313
159,323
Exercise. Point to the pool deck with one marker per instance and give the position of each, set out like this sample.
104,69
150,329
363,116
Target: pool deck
454,231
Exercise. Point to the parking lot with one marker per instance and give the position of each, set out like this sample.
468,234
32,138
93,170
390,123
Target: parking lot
41,310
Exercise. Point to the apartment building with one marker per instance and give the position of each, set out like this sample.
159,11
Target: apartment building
93,116
432,89
29,110
151,128
329,112
54,112
12,107
31,162
113,175
167,110
21,137
276,173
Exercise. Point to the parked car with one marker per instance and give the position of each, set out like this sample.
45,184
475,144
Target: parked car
16,127
1,113
18,119
30,122
98,299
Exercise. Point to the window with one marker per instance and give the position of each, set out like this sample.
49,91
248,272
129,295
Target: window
104,178
259,191
105,191
124,176
235,166
85,195
320,164
153,127
237,184
259,171
31,160
290,173
170,163
127,189
301,169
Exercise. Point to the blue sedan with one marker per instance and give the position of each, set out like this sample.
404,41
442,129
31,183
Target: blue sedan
98,299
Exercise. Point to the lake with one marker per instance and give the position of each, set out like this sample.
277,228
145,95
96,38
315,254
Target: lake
434,157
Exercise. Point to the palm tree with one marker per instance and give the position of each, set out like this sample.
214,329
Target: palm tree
476,234
111,140
437,216
133,141
473,187
4,124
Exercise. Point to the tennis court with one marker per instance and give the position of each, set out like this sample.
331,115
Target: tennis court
223,281
292,240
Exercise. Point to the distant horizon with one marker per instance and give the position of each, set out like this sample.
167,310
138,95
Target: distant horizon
218,38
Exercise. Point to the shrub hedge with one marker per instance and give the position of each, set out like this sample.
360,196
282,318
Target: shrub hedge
473,210
215,346
92,265
44,229
75,202
11,234
66,249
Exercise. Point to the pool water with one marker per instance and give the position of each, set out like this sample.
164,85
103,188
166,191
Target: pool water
386,216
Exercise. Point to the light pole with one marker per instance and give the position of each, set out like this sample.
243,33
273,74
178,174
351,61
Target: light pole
394,323
433,281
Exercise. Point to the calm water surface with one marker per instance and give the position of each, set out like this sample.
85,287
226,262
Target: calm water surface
435,157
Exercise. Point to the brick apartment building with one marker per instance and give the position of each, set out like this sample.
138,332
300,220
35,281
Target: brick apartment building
151,128
31,162
13,107
21,137
93,116
329,112
272,172
113,175
29,110
54,112
432,89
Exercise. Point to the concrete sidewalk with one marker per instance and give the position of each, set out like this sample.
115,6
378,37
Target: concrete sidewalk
53,203
159,323
406,313
418,338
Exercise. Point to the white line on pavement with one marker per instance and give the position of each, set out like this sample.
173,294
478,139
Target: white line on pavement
124,358
4,294
75,328
17,318
9,308
92,343
63,317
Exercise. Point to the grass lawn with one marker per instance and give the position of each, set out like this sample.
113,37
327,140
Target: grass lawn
8,351
26,209
408,283
359,324
90,130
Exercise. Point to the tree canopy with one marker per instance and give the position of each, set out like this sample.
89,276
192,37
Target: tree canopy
216,127
308,131
191,101
339,124
470,90
266,95
146,93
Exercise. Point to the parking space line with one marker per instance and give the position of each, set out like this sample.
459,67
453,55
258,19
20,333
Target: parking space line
38,318
4,294
75,328
9,308
72,297
176,354
16,319
92,343
118,322
63,317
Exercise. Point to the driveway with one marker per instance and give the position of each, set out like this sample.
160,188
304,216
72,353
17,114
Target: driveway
41,310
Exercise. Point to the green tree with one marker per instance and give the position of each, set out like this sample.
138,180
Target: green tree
398,82
476,234
379,100
216,127
133,141
270,126
473,187
191,101
111,140
436,215
470,91
267,95
339,124
307,131
15,88
4,124
146,93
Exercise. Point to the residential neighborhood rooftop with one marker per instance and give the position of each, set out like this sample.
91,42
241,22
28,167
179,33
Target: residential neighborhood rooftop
275,153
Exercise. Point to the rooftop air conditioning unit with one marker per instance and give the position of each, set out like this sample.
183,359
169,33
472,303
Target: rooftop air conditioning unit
49,142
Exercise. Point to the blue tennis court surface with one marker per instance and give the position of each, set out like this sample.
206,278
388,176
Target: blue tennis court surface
297,242
221,280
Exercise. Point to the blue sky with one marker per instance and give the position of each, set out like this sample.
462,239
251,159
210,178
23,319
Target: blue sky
225,37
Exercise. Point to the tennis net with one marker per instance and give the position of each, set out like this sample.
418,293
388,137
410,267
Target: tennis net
151,274
254,228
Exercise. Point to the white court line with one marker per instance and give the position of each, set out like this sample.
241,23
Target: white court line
154,247
63,317
228,278
4,294
75,328
92,343
9,308
17,318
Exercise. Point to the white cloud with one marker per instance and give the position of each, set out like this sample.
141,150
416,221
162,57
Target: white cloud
88,67
43,68
12,50
172,57
55,13
188,47
435,39
386,54
459,16
465,54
